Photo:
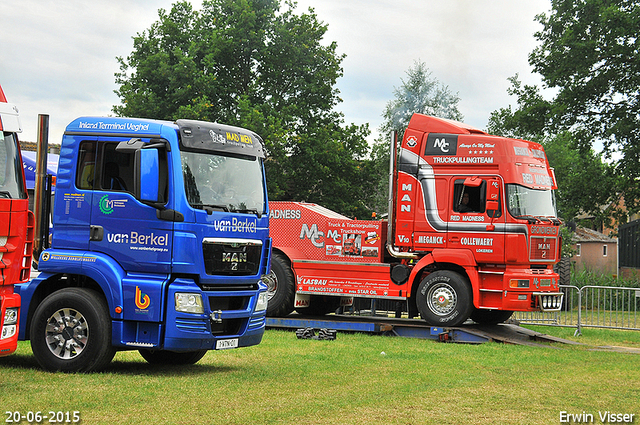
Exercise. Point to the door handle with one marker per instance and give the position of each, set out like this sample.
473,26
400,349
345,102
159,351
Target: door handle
96,233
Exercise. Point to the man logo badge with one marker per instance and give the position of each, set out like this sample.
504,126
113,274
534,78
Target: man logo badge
234,258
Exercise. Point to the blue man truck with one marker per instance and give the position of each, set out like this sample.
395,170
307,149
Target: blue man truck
159,241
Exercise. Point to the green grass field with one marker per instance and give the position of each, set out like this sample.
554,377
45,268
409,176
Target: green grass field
348,381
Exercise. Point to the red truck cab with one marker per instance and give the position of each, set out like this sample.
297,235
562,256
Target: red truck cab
472,233
16,226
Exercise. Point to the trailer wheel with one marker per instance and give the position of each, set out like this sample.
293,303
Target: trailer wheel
444,298
71,332
490,317
162,357
280,286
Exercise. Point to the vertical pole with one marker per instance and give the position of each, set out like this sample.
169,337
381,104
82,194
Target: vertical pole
392,185
39,205
579,328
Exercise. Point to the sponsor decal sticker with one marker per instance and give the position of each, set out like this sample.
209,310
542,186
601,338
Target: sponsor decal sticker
142,300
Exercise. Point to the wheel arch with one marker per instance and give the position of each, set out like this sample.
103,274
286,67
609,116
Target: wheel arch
53,283
459,261
97,272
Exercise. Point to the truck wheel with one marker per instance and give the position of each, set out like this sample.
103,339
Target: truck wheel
281,286
71,332
162,357
444,298
490,317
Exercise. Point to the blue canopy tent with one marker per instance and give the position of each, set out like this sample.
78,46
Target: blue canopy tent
29,164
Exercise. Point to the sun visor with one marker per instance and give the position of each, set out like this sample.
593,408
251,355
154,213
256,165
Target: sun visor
206,136
9,119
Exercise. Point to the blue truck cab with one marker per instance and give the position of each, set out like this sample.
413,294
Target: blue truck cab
160,239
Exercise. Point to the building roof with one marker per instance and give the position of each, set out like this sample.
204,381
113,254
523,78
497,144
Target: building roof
582,234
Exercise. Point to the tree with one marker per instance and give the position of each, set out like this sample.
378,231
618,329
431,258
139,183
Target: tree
589,53
585,181
248,63
531,119
419,93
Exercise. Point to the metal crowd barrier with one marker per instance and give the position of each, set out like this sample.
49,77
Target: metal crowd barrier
591,306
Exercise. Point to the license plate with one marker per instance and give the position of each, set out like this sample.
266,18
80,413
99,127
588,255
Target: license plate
224,344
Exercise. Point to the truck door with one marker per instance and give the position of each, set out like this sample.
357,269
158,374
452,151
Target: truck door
477,217
74,195
121,226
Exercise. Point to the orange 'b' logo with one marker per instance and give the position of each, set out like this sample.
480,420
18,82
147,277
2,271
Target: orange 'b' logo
142,300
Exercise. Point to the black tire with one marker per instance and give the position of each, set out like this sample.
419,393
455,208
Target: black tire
563,268
319,305
162,357
281,286
444,298
71,332
490,317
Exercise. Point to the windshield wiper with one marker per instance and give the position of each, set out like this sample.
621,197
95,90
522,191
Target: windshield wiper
531,219
5,194
210,208
249,211
550,218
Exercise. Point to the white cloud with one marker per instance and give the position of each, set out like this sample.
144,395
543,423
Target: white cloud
59,56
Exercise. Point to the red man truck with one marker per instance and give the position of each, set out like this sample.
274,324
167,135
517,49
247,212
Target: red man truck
16,226
472,233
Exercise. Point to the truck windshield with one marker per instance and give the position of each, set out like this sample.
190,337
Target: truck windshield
224,183
523,202
11,184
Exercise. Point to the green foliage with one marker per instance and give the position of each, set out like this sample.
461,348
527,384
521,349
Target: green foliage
529,121
594,278
347,381
589,53
249,63
585,181
419,93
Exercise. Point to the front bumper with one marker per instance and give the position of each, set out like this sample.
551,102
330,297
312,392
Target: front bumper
229,321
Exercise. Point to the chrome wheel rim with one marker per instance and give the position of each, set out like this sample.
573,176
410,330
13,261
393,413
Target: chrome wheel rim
66,333
271,280
442,299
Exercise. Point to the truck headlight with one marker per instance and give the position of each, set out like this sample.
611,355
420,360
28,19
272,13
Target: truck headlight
189,303
10,316
8,331
263,300
10,323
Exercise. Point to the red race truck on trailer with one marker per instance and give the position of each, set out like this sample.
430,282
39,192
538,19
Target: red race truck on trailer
16,226
472,233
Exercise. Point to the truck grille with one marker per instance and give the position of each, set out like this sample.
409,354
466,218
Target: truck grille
228,327
542,249
231,257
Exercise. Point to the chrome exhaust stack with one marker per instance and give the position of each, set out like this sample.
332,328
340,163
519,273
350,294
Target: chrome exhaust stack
393,183
42,192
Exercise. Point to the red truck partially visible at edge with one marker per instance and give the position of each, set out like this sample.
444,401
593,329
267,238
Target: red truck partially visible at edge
16,226
472,233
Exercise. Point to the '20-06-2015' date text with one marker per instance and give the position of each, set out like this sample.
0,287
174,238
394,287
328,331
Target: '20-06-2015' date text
50,417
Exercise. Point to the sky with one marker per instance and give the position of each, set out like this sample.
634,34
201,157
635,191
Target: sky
59,57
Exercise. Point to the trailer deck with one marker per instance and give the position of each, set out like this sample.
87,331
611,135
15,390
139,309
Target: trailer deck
414,328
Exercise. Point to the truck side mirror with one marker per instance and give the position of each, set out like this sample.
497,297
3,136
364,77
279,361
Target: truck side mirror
493,205
149,181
